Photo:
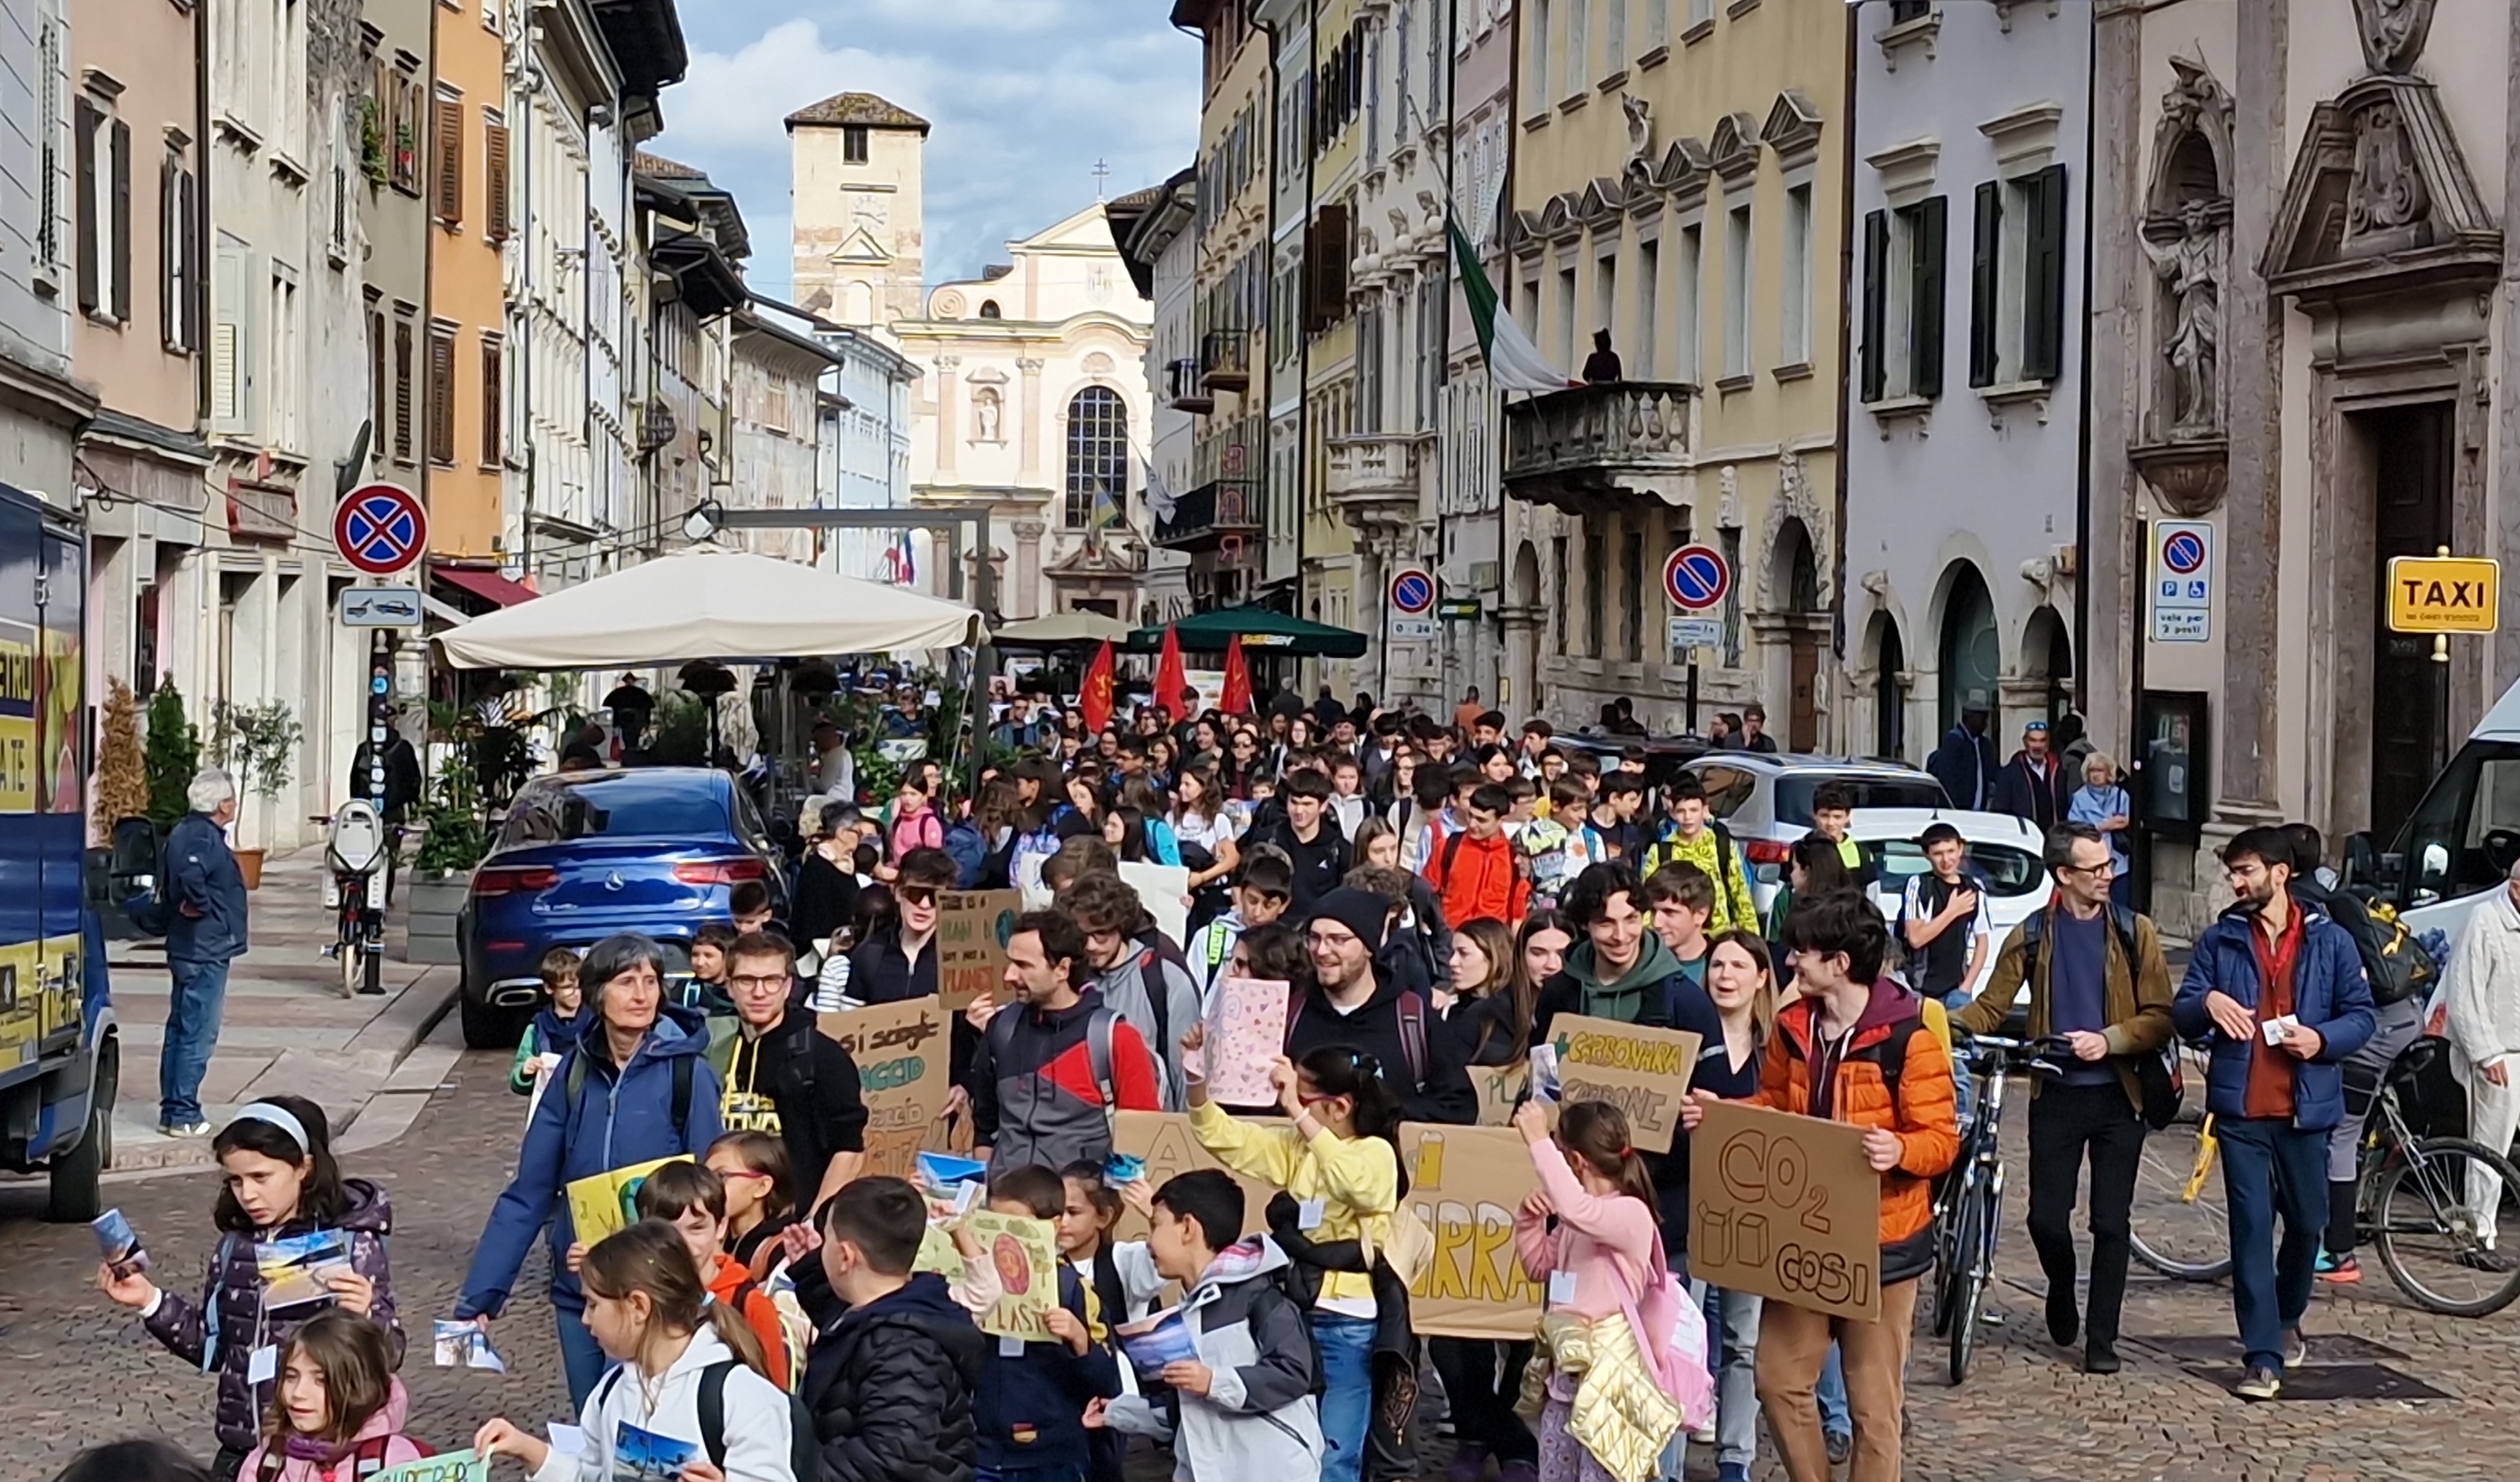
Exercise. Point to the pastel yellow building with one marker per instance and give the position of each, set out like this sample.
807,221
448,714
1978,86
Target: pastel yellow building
1676,184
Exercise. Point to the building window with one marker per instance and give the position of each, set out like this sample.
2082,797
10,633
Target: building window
1605,294
1614,37
1538,82
1632,590
1902,11
1737,291
2017,279
288,359
1570,340
1597,579
448,144
494,419
1641,342
1572,84
1902,354
380,378
1557,586
1686,333
405,119
441,393
179,289
100,147
1793,333
989,309
405,353
232,344
1097,459
853,144
48,82
495,218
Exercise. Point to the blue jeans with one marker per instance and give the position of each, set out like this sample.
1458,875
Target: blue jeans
1733,1353
200,991
2269,1167
1346,1347
581,1358
1953,1001
1834,1417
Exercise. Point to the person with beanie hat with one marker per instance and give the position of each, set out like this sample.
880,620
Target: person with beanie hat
1349,1001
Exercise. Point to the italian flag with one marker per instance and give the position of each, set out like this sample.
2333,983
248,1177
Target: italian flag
1514,363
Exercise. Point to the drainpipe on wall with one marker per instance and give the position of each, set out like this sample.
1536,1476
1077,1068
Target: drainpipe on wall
1847,281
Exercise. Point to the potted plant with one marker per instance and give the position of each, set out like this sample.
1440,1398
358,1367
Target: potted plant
171,756
454,841
121,772
257,745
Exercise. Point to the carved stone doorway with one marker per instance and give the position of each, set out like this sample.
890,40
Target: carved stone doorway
2411,459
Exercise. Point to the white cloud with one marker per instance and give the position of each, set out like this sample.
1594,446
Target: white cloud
1024,96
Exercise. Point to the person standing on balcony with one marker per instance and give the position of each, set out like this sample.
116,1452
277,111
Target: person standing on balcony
1601,367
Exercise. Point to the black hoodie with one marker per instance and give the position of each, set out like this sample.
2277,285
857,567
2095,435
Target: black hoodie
891,1384
1319,866
1442,1093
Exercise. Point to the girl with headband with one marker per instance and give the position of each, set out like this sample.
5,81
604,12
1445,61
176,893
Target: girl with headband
280,1183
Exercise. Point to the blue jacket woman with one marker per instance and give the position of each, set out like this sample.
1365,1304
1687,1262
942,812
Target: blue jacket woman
635,1089
2328,995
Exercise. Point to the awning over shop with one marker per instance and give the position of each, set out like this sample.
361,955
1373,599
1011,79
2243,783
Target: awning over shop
1062,630
1262,632
485,586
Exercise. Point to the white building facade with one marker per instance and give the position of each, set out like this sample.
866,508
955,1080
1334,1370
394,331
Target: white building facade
863,452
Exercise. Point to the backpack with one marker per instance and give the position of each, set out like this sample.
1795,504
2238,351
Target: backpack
136,843
366,1458
2394,961
1097,1048
971,852
1413,1031
573,1081
795,1329
803,1455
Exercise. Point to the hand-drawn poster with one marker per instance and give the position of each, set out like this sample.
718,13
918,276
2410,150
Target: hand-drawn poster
1465,1184
971,930
1025,1253
1785,1206
900,1050
1246,1032
1642,1071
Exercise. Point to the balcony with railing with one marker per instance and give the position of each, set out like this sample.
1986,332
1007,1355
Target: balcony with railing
1225,360
1182,384
1222,512
1373,477
1578,447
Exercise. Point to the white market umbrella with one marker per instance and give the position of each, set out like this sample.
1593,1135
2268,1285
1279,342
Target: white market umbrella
707,604
1064,628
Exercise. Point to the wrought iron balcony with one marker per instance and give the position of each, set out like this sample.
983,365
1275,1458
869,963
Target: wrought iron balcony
1223,512
1223,359
1373,477
1575,447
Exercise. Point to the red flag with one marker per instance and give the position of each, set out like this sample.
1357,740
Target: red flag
1093,697
1171,679
1237,680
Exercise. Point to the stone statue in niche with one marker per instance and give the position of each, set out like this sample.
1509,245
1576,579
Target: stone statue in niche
985,410
1640,129
2190,268
2393,32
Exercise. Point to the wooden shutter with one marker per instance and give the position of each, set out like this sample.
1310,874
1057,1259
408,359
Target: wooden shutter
402,390
2042,287
119,301
84,117
1872,371
170,251
1986,251
449,148
441,396
1926,299
494,446
229,351
494,180
380,387
188,189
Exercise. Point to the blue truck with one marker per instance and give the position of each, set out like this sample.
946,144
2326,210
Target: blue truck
60,1046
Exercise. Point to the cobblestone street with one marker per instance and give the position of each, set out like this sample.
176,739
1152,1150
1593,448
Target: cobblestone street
87,1373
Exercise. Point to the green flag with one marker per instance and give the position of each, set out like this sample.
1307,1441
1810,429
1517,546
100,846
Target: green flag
1514,363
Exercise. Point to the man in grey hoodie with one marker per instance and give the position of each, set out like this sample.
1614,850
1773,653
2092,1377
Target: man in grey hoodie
1146,985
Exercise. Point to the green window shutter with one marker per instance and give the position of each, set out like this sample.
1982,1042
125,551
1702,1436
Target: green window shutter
2043,304
1925,299
1986,251
1873,378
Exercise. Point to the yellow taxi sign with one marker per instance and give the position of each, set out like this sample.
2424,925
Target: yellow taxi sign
2444,593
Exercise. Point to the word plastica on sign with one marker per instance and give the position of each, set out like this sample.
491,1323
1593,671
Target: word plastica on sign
1785,1206
2444,593
1641,1070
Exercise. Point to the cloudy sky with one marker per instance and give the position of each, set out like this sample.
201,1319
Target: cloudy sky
1023,95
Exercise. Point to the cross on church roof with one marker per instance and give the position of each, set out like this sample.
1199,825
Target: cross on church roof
1102,173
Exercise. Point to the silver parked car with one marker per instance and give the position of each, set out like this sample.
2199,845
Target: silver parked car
1763,800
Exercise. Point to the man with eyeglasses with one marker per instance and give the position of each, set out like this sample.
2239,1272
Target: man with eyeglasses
2277,988
2096,979
1351,1002
783,1078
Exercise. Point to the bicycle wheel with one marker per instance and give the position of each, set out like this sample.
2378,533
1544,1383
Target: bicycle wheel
2180,1229
1969,1282
2431,1226
1938,1286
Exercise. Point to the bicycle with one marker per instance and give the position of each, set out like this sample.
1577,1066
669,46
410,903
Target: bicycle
1968,1202
2418,1201
356,850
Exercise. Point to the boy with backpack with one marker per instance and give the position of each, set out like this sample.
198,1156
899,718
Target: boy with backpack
1476,872
1702,842
1263,888
890,1382
693,1199
1247,1407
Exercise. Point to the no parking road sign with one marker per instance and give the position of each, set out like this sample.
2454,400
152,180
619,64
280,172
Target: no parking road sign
1695,578
1413,592
380,528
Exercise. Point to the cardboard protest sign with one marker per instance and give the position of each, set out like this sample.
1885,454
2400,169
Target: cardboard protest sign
1642,1071
971,930
451,1466
1785,1206
605,1203
1499,1088
1246,1032
1160,889
1466,1182
1025,1253
1164,1142
900,1050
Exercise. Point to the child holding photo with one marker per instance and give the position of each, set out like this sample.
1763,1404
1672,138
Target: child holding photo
1029,1409
1341,1165
340,1410
282,1184
648,1310
692,1200
1121,1282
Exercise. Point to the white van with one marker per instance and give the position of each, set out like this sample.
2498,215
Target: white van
2462,839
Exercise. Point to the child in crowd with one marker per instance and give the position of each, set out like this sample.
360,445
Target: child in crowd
892,1378
281,1183
1262,892
1560,845
1681,897
1030,1410
1339,1162
1245,1410
915,825
706,992
759,1199
749,902
556,1025
693,1199
1120,1279
339,1411
648,1309
1590,1232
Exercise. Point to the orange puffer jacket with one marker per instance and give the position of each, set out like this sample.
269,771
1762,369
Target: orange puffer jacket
1849,1089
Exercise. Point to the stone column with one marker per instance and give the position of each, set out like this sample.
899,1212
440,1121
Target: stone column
1026,596
2119,284
1518,688
949,416
1030,429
